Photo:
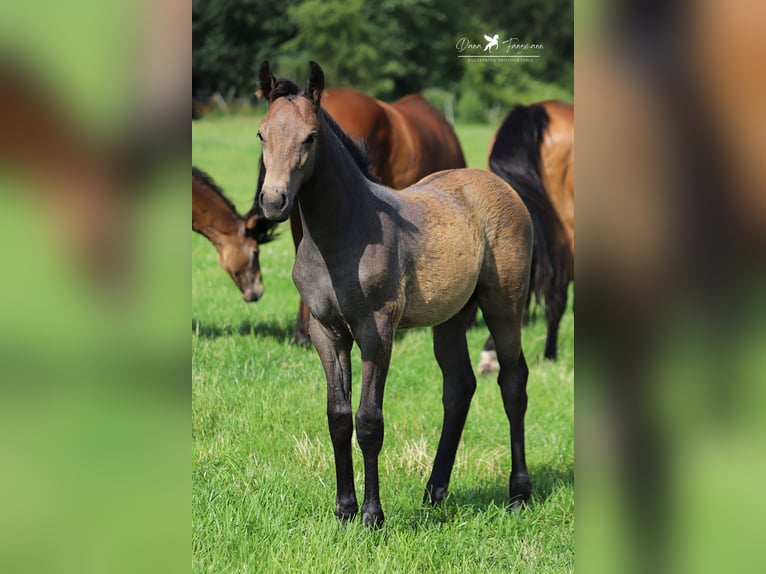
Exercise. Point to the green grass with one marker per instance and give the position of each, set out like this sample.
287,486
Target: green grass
263,472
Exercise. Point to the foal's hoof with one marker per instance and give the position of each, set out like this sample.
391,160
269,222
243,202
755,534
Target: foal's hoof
346,512
520,490
434,495
372,517
488,363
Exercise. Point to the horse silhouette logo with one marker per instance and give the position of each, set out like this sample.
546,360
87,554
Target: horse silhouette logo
491,42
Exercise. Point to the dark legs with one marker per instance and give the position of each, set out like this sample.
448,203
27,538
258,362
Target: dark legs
301,333
375,339
334,351
554,309
512,380
451,351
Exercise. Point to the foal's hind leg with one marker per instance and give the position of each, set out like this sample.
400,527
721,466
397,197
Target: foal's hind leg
506,330
451,351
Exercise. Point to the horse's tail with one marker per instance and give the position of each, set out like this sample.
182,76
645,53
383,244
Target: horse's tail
515,157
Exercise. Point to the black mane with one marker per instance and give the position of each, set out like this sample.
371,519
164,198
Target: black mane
264,229
358,152
207,181
262,232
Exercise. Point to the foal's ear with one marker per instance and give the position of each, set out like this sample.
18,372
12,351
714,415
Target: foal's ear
315,84
252,220
266,81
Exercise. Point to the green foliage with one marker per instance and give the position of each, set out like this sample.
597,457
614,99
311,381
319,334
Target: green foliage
262,465
335,33
386,48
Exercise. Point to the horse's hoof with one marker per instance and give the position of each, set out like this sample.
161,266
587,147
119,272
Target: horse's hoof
488,363
520,490
517,505
372,517
346,512
434,495
551,355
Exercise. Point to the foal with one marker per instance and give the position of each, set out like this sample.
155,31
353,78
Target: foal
236,238
373,260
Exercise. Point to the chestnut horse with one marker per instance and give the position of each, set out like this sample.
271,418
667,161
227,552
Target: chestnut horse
373,260
236,238
405,141
533,150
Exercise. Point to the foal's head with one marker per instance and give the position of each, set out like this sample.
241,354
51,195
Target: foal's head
239,258
289,133
237,239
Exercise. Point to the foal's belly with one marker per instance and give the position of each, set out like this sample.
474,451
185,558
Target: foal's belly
443,277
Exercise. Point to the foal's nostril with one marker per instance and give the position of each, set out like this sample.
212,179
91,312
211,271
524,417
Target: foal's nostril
284,201
260,199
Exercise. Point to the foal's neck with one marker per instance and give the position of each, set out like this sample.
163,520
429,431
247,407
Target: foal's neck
337,198
212,216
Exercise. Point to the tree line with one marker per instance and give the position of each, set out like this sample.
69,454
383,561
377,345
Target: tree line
390,48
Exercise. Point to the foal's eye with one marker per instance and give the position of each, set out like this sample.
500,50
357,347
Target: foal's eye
312,137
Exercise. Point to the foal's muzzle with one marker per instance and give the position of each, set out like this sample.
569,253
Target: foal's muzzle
275,204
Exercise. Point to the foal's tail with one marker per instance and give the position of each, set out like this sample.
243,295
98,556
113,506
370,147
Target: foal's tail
515,157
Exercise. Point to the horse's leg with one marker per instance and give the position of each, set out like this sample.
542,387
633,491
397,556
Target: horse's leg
554,310
301,333
451,351
506,330
334,351
556,305
375,338
488,362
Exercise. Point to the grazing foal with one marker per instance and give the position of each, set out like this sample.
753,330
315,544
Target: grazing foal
373,260
236,238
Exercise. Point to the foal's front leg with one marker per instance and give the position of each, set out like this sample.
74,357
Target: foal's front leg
334,349
375,339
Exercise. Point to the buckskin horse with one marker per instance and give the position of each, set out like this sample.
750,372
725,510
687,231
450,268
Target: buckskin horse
373,260
533,150
235,238
405,141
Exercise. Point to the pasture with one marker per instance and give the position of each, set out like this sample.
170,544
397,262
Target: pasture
263,481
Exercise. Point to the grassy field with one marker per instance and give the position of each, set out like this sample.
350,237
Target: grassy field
263,472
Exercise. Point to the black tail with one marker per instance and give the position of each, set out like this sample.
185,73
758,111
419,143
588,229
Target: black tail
515,157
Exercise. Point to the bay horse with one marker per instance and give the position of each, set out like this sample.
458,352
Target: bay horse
405,141
236,238
373,260
533,150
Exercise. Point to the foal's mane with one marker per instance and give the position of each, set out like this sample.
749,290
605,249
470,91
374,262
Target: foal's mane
284,88
208,182
262,232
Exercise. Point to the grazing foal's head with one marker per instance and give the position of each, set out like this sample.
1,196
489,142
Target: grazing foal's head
237,239
289,133
239,258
